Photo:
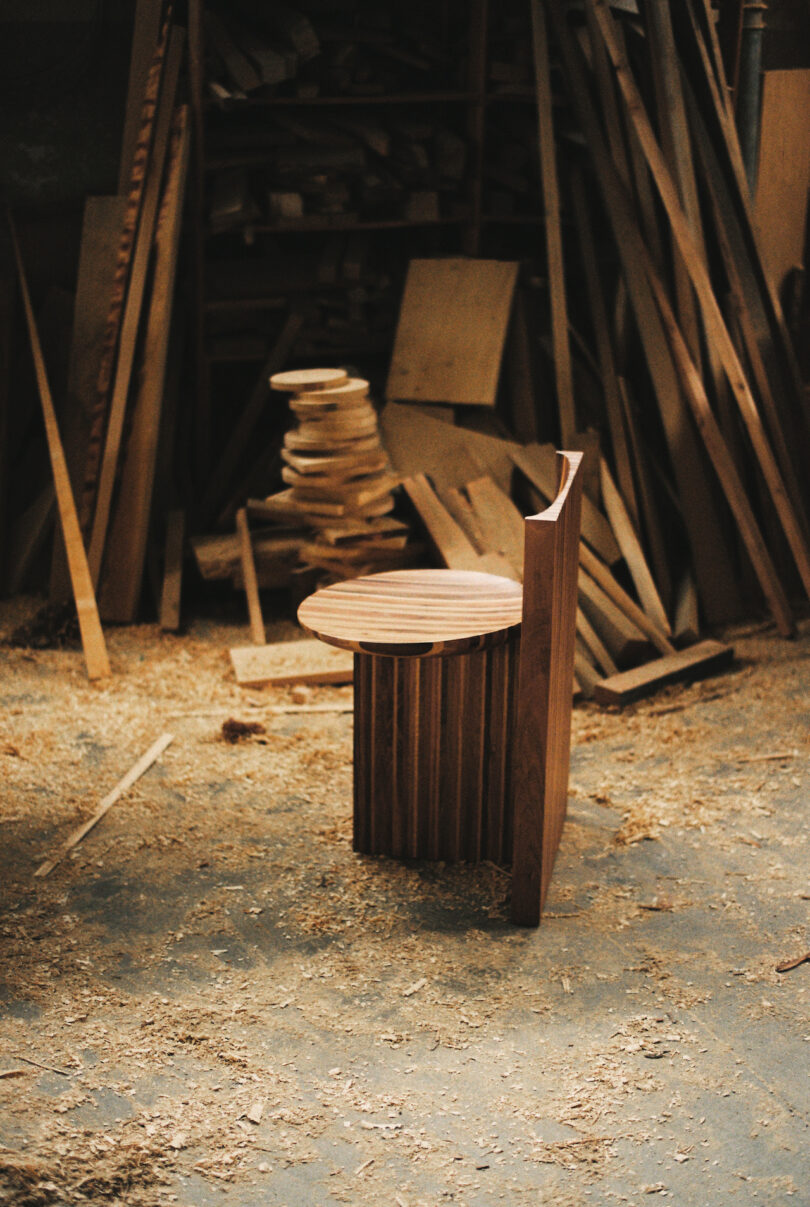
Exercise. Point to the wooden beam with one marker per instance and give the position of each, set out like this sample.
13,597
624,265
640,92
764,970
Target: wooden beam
132,309
129,523
707,544
706,658
553,226
716,329
95,650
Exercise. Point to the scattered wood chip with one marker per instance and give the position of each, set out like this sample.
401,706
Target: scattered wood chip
415,987
4,1073
178,1141
234,731
365,1165
254,1115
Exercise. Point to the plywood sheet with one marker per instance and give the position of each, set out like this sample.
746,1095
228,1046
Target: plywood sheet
451,331
306,661
783,179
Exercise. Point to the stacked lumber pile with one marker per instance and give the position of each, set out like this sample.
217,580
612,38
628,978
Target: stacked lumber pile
669,353
338,476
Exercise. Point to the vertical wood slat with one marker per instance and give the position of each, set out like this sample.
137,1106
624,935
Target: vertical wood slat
542,740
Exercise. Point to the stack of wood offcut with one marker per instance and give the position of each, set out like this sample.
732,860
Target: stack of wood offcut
338,475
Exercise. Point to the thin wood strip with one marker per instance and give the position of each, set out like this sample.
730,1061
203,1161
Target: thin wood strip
607,365
707,545
129,521
134,304
143,764
630,546
646,495
93,644
594,645
257,631
600,573
145,34
724,465
129,230
715,326
551,204
173,571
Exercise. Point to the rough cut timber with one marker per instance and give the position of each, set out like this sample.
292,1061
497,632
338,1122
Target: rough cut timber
451,332
705,658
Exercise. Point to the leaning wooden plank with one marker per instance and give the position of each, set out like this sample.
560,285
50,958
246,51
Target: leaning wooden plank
707,544
501,524
623,639
257,632
724,464
239,439
451,331
129,523
593,645
134,303
705,658
306,661
145,34
116,298
783,178
172,571
607,362
602,575
538,463
714,323
451,455
631,549
143,764
101,232
551,206
448,539
95,650
647,499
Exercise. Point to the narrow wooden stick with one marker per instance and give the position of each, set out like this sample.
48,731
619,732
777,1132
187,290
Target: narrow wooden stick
251,583
93,644
143,764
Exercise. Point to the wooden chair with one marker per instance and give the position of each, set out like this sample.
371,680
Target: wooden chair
463,685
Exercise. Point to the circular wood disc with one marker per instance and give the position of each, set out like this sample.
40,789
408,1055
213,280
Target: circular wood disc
353,387
416,612
299,442
297,381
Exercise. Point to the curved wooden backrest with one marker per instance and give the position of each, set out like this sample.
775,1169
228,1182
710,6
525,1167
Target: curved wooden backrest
543,740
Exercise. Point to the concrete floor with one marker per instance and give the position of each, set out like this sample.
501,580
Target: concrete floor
236,1008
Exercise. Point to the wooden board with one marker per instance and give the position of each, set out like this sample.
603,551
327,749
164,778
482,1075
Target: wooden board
306,661
501,525
93,644
451,331
125,551
305,381
632,552
98,251
145,34
783,178
705,658
451,455
249,579
551,206
133,307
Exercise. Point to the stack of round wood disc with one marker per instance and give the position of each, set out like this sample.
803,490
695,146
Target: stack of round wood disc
338,473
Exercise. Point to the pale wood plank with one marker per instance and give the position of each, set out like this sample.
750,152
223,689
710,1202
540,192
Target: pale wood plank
705,658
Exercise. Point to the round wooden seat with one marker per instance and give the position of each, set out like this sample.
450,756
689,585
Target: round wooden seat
416,613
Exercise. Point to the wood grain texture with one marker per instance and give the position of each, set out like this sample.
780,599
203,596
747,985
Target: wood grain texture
415,612
93,644
543,726
451,331
451,455
133,306
709,553
713,320
783,178
702,659
125,552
